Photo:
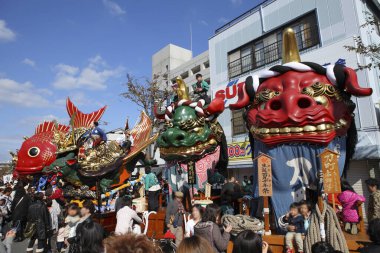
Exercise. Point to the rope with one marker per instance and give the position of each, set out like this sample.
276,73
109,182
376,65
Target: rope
334,234
240,223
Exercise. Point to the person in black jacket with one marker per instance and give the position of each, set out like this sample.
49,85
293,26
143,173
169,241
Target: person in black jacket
374,236
38,213
19,210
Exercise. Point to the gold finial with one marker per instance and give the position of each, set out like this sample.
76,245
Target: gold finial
289,47
182,91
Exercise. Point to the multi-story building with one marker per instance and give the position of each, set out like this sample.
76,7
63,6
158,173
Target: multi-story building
252,42
173,61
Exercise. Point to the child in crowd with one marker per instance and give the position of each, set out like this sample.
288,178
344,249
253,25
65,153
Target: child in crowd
305,210
3,212
71,220
350,201
61,237
296,229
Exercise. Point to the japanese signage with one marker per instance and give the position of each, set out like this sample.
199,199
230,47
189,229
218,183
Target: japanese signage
191,176
264,166
239,151
330,169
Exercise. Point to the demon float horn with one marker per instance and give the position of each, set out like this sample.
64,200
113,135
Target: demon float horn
183,91
289,47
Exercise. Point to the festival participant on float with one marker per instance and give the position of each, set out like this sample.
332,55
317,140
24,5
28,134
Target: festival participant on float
249,241
38,214
152,187
128,141
196,213
174,97
174,217
374,199
296,229
125,217
194,244
96,135
208,228
200,89
305,210
231,192
350,201
374,236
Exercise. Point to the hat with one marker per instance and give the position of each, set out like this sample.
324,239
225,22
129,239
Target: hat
178,194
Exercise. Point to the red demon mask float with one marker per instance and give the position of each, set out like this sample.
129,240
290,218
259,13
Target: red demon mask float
301,102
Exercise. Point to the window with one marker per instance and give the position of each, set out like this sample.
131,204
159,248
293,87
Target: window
196,69
268,48
206,64
185,75
238,123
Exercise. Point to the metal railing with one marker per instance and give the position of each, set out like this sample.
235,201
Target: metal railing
306,38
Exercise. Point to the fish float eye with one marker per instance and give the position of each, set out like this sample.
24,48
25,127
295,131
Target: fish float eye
33,152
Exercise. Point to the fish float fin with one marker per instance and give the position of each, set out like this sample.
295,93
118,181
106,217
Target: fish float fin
83,119
49,126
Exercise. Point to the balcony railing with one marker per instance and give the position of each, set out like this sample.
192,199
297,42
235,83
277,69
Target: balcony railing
306,39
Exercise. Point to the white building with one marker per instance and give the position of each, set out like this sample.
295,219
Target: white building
252,42
173,61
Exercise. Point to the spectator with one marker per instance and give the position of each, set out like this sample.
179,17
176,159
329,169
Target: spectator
90,236
374,199
231,192
322,247
350,201
4,212
125,217
196,213
295,219
71,220
174,217
374,236
74,238
7,196
249,241
19,210
39,215
129,243
6,244
208,228
61,237
194,244
152,187
200,89
53,232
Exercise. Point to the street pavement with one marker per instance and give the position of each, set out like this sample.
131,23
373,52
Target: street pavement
20,247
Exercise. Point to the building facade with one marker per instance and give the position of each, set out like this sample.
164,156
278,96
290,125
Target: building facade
252,42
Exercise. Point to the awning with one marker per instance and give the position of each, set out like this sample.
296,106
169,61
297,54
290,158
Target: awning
367,146
240,164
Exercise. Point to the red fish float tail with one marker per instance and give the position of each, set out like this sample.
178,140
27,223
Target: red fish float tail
82,119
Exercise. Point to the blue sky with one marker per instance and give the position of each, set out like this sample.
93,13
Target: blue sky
50,50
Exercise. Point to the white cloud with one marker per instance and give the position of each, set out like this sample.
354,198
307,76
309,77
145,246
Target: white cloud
22,94
92,77
29,62
223,20
33,121
113,8
6,34
203,22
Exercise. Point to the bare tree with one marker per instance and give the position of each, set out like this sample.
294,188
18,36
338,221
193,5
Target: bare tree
372,50
145,93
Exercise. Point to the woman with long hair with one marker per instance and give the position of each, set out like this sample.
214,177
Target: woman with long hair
208,228
249,241
194,244
90,237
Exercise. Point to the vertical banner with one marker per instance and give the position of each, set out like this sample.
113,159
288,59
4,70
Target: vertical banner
330,169
191,173
264,166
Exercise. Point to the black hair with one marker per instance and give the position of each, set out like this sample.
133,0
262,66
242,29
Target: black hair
199,207
7,190
91,237
73,206
294,205
345,186
372,182
374,231
49,202
198,75
322,247
148,169
248,241
125,201
89,205
307,203
96,123
211,213
38,196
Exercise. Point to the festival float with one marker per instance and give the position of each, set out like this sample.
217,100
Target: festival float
79,163
300,114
